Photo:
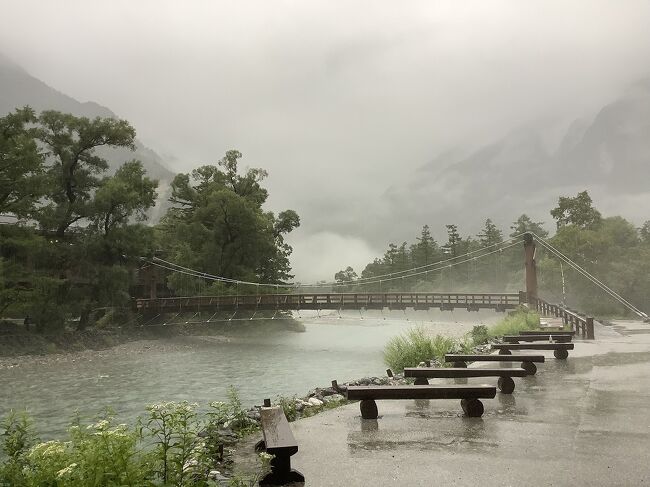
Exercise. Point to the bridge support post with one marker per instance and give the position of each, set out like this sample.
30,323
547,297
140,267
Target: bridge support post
531,270
590,328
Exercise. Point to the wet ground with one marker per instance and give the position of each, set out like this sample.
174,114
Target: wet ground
583,421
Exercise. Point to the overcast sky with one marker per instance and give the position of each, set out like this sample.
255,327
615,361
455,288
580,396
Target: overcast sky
337,100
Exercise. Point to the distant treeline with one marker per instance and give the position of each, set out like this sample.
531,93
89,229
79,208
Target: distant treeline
72,236
611,249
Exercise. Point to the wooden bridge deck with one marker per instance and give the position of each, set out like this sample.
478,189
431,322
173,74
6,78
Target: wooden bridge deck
335,301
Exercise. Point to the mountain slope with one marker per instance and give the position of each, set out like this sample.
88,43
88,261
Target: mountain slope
609,156
18,88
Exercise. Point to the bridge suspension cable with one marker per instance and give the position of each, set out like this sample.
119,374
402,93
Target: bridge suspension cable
406,273
550,248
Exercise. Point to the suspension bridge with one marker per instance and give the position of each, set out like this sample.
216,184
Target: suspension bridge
268,296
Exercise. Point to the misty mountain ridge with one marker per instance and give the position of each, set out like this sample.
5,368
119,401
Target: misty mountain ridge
522,172
18,88
608,155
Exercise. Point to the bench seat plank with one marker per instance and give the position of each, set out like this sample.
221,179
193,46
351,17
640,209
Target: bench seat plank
278,437
537,338
421,392
450,357
452,372
539,332
533,346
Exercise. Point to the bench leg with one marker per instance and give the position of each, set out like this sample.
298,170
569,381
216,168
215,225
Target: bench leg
460,365
368,409
472,407
529,367
421,381
505,351
281,472
561,354
506,385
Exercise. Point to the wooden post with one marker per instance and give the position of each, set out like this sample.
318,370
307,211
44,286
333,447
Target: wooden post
531,269
590,328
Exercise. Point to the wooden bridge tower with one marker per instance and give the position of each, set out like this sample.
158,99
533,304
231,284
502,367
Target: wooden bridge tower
531,269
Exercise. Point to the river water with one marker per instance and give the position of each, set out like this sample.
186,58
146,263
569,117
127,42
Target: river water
258,363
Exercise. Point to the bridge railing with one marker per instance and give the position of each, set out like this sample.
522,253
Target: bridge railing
579,323
317,301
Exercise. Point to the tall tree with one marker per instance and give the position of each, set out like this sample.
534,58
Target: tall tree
217,224
524,224
345,275
124,196
74,168
644,232
490,235
21,164
454,241
578,211
425,251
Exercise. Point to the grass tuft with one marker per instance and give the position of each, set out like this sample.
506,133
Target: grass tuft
415,346
517,321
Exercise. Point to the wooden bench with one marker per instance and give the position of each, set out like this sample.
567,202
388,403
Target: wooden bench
505,375
527,361
560,350
280,442
537,338
538,332
469,395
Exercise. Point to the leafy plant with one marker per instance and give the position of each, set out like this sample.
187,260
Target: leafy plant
480,334
289,407
17,439
415,346
177,445
232,415
516,321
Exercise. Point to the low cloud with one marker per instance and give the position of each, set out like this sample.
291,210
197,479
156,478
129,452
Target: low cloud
319,256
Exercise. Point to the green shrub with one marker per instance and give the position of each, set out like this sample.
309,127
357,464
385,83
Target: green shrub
104,454
288,406
443,345
516,321
17,438
178,448
101,454
232,415
172,445
415,346
480,334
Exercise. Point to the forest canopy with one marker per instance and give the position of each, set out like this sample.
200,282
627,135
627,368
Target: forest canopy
73,235
611,248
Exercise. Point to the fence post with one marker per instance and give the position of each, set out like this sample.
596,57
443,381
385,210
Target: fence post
590,328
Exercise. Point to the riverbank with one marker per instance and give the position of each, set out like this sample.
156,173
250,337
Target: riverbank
18,343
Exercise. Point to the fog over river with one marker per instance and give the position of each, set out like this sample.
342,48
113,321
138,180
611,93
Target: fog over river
258,363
